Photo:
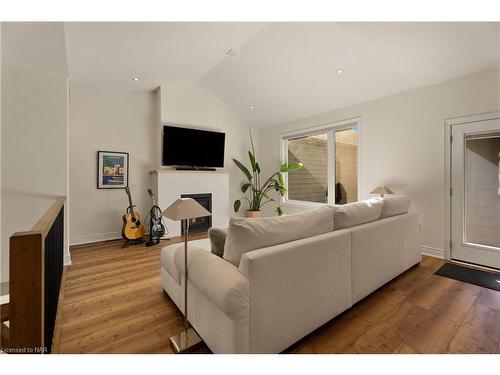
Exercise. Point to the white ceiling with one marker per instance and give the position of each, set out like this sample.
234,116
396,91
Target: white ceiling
106,56
287,70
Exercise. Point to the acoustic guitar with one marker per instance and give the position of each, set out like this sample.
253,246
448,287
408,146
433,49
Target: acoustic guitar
133,227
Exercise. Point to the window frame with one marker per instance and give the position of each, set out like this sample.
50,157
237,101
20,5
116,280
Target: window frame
329,129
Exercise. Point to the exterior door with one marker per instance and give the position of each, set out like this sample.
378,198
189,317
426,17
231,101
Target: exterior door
475,193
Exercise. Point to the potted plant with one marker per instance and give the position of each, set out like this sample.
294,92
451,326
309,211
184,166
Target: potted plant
259,192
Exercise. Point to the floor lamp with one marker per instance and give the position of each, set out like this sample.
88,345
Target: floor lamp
185,209
381,190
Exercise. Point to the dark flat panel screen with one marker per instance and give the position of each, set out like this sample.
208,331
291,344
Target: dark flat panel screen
183,147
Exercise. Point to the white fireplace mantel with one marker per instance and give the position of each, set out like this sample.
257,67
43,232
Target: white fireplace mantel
169,184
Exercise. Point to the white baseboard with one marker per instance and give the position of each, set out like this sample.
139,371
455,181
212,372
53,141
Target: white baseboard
81,240
433,252
67,260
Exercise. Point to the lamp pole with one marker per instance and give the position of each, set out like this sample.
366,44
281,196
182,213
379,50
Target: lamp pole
188,340
183,209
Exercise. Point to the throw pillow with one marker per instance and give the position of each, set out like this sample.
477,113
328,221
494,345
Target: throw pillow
245,235
217,240
357,213
395,205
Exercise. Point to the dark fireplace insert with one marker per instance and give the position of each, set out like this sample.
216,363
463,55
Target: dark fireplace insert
200,224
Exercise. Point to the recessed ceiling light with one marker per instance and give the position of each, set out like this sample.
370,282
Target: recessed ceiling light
135,79
252,107
339,71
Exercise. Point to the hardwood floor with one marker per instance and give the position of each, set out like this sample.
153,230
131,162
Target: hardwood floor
112,302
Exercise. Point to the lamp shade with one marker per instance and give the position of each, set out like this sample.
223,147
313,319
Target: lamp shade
382,190
185,208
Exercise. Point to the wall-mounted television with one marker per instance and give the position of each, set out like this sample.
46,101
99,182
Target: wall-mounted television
192,148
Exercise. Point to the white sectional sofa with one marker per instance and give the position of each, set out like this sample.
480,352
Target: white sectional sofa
283,277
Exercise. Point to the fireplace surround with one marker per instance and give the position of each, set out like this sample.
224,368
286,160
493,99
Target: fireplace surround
169,185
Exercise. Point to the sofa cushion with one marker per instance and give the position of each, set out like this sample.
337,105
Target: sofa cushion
220,281
168,252
245,235
167,261
217,240
356,213
395,205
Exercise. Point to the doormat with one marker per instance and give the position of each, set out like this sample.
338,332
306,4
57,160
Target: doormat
485,279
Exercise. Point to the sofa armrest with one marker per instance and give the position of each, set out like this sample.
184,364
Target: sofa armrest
295,287
220,281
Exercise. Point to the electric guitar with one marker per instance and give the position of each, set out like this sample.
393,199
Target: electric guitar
133,227
157,227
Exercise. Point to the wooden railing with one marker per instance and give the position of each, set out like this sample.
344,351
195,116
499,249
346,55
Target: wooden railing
35,267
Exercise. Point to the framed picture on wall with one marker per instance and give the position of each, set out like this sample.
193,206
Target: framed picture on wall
112,170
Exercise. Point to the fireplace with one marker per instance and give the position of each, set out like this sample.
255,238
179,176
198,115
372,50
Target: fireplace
200,224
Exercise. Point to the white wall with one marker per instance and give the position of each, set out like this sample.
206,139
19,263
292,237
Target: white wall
34,149
34,143
192,105
403,141
133,123
108,123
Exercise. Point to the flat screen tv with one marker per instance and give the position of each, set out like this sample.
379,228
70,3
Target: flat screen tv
192,148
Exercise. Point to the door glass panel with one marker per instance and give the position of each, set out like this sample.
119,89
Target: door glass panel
346,166
310,183
482,190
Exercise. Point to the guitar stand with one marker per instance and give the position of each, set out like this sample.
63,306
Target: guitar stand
128,243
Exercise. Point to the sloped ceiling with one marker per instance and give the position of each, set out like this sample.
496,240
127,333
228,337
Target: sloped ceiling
286,70
105,56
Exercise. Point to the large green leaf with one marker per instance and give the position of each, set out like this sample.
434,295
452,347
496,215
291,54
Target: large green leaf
257,167
252,160
245,187
294,167
280,179
243,169
266,196
282,189
284,168
251,139
237,205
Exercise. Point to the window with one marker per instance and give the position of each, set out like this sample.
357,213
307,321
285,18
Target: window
310,183
346,165
331,164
